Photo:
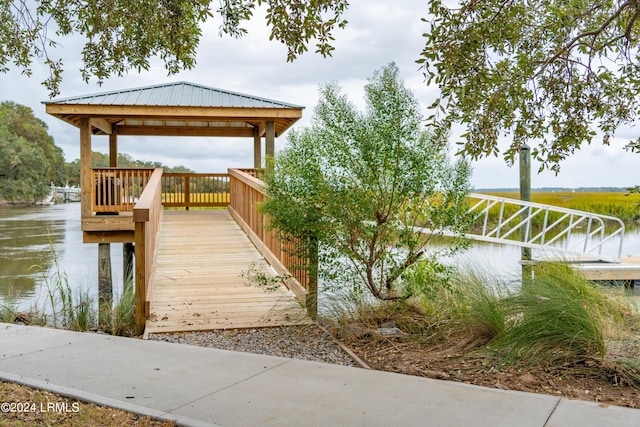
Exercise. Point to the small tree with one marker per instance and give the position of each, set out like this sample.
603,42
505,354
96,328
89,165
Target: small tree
361,185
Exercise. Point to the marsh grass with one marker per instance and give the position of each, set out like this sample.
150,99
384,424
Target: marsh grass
9,312
75,310
559,317
119,319
558,321
65,309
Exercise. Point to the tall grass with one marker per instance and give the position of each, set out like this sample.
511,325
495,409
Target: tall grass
119,318
64,308
559,319
9,312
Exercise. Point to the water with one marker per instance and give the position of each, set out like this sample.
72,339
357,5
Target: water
28,235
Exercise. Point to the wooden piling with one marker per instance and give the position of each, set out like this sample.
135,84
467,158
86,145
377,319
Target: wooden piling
525,195
128,251
105,282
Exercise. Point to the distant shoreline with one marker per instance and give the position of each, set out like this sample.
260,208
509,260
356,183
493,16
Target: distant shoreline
556,190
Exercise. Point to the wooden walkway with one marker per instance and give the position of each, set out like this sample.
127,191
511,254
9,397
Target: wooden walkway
199,283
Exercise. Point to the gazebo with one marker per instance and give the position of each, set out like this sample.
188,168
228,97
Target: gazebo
126,205
171,109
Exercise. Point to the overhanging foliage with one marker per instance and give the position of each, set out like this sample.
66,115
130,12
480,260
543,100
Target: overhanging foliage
551,72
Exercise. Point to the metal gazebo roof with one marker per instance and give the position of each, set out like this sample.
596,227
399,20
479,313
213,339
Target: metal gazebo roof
176,109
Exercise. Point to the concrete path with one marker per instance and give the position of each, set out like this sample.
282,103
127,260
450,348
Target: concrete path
204,387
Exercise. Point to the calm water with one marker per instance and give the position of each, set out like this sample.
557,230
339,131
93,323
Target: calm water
28,235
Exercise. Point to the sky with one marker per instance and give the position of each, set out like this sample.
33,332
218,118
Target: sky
378,32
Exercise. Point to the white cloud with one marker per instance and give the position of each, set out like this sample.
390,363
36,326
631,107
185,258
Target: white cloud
378,32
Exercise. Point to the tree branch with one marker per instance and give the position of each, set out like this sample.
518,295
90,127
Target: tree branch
567,47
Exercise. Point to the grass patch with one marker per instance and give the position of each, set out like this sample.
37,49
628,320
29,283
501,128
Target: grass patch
77,311
119,319
559,321
558,318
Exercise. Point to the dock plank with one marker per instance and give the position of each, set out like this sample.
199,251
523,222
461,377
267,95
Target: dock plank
199,283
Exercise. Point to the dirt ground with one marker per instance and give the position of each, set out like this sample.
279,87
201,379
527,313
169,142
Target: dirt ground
24,406
585,382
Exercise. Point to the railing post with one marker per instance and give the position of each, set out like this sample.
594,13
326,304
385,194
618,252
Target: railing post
187,191
312,279
147,215
141,274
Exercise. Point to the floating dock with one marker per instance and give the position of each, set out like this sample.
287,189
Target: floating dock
628,270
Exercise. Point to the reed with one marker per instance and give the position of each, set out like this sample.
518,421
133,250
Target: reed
561,317
119,319
9,312
64,308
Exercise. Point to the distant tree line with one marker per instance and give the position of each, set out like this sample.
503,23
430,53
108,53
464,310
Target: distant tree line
30,160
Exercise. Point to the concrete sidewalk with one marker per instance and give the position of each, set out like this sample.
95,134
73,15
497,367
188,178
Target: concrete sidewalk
204,387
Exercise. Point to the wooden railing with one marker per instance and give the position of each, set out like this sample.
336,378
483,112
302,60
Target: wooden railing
117,189
246,194
147,215
256,173
195,189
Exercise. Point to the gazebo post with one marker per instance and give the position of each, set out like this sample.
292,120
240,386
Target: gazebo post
257,148
85,167
113,147
105,278
127,247
270,138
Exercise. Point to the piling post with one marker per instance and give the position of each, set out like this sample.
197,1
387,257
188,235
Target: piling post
525,195
128,251
105,282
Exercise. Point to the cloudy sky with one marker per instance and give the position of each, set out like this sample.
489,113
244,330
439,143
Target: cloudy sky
379,31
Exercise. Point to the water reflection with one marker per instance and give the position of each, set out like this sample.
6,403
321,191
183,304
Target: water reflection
29,236
26,243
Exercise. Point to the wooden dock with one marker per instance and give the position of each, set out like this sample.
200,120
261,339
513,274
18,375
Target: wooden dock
199,283
628,270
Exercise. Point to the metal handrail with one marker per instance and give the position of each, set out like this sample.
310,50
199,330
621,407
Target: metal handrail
496,223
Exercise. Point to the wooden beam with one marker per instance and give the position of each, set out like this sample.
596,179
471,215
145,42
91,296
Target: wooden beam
108,237
101,124
262,129
140,277
185,131
85,167
109,223
171,112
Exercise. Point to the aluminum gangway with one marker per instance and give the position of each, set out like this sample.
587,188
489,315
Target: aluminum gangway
562,233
